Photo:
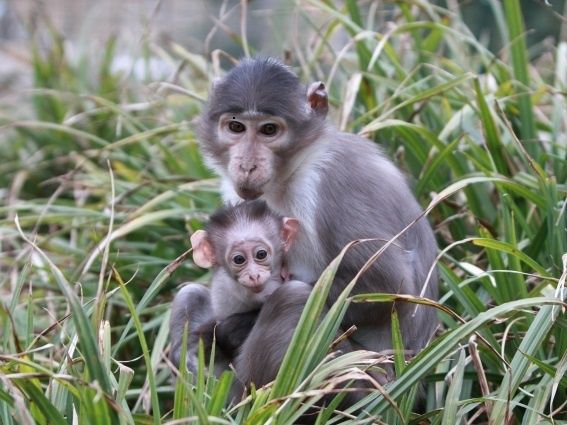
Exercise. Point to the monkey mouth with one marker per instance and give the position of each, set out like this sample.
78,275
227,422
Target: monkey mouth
248,193
256,288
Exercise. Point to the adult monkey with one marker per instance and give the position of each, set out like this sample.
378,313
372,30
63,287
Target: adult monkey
267,136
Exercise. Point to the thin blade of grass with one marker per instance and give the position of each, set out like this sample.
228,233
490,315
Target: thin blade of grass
453,395
519,55
84,328
432,355
144,345
49,413
531,343
288,375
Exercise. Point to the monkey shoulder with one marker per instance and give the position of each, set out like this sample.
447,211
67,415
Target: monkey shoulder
362,193
367,157
360,172
192,300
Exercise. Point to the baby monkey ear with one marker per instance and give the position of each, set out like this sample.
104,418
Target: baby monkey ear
289,231
203,254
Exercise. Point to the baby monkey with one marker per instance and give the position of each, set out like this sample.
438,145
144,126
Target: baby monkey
245,244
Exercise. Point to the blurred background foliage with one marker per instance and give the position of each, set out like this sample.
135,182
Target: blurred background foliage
101,182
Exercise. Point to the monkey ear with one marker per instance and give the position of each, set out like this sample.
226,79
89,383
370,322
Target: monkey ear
317,98
289,231
203,254
216,81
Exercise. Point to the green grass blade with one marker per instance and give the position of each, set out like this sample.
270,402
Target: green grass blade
50,415
453,395
512,250
180,398
431,356
492,135
84,328
144,345
519,55
289,374
531,343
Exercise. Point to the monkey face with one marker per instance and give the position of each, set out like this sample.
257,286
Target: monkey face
252,142
251,263
256,118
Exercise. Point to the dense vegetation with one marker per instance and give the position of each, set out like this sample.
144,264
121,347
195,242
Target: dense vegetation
101,182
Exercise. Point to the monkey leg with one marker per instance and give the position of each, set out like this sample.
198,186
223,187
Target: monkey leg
191,305
262,353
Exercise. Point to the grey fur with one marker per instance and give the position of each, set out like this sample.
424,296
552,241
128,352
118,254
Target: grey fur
192,306
259,361
263,351
202,307
369,198
343,188
236,223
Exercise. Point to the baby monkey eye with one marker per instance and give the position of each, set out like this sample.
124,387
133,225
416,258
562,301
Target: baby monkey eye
269,129
261,254
236,126
238,259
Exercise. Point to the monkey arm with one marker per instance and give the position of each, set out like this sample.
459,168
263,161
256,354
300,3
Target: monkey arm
262,352
231,332
191,306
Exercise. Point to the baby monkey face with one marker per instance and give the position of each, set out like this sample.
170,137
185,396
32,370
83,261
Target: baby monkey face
251,263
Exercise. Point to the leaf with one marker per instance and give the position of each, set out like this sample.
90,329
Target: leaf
453,395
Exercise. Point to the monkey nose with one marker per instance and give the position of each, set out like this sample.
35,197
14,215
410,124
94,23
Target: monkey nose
248,168
255,282
255,279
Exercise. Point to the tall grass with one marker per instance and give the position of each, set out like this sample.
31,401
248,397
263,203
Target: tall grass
102,182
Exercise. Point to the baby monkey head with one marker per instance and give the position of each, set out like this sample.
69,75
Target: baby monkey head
248,240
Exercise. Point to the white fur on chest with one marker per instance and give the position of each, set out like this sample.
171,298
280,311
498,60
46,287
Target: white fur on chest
299,198
228,297
296,195
300,201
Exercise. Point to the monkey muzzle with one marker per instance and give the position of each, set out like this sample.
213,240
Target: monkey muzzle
255,285
256,288
249,181
248,193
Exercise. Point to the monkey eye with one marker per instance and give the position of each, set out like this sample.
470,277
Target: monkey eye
236,126
239,259
269,129
261,254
